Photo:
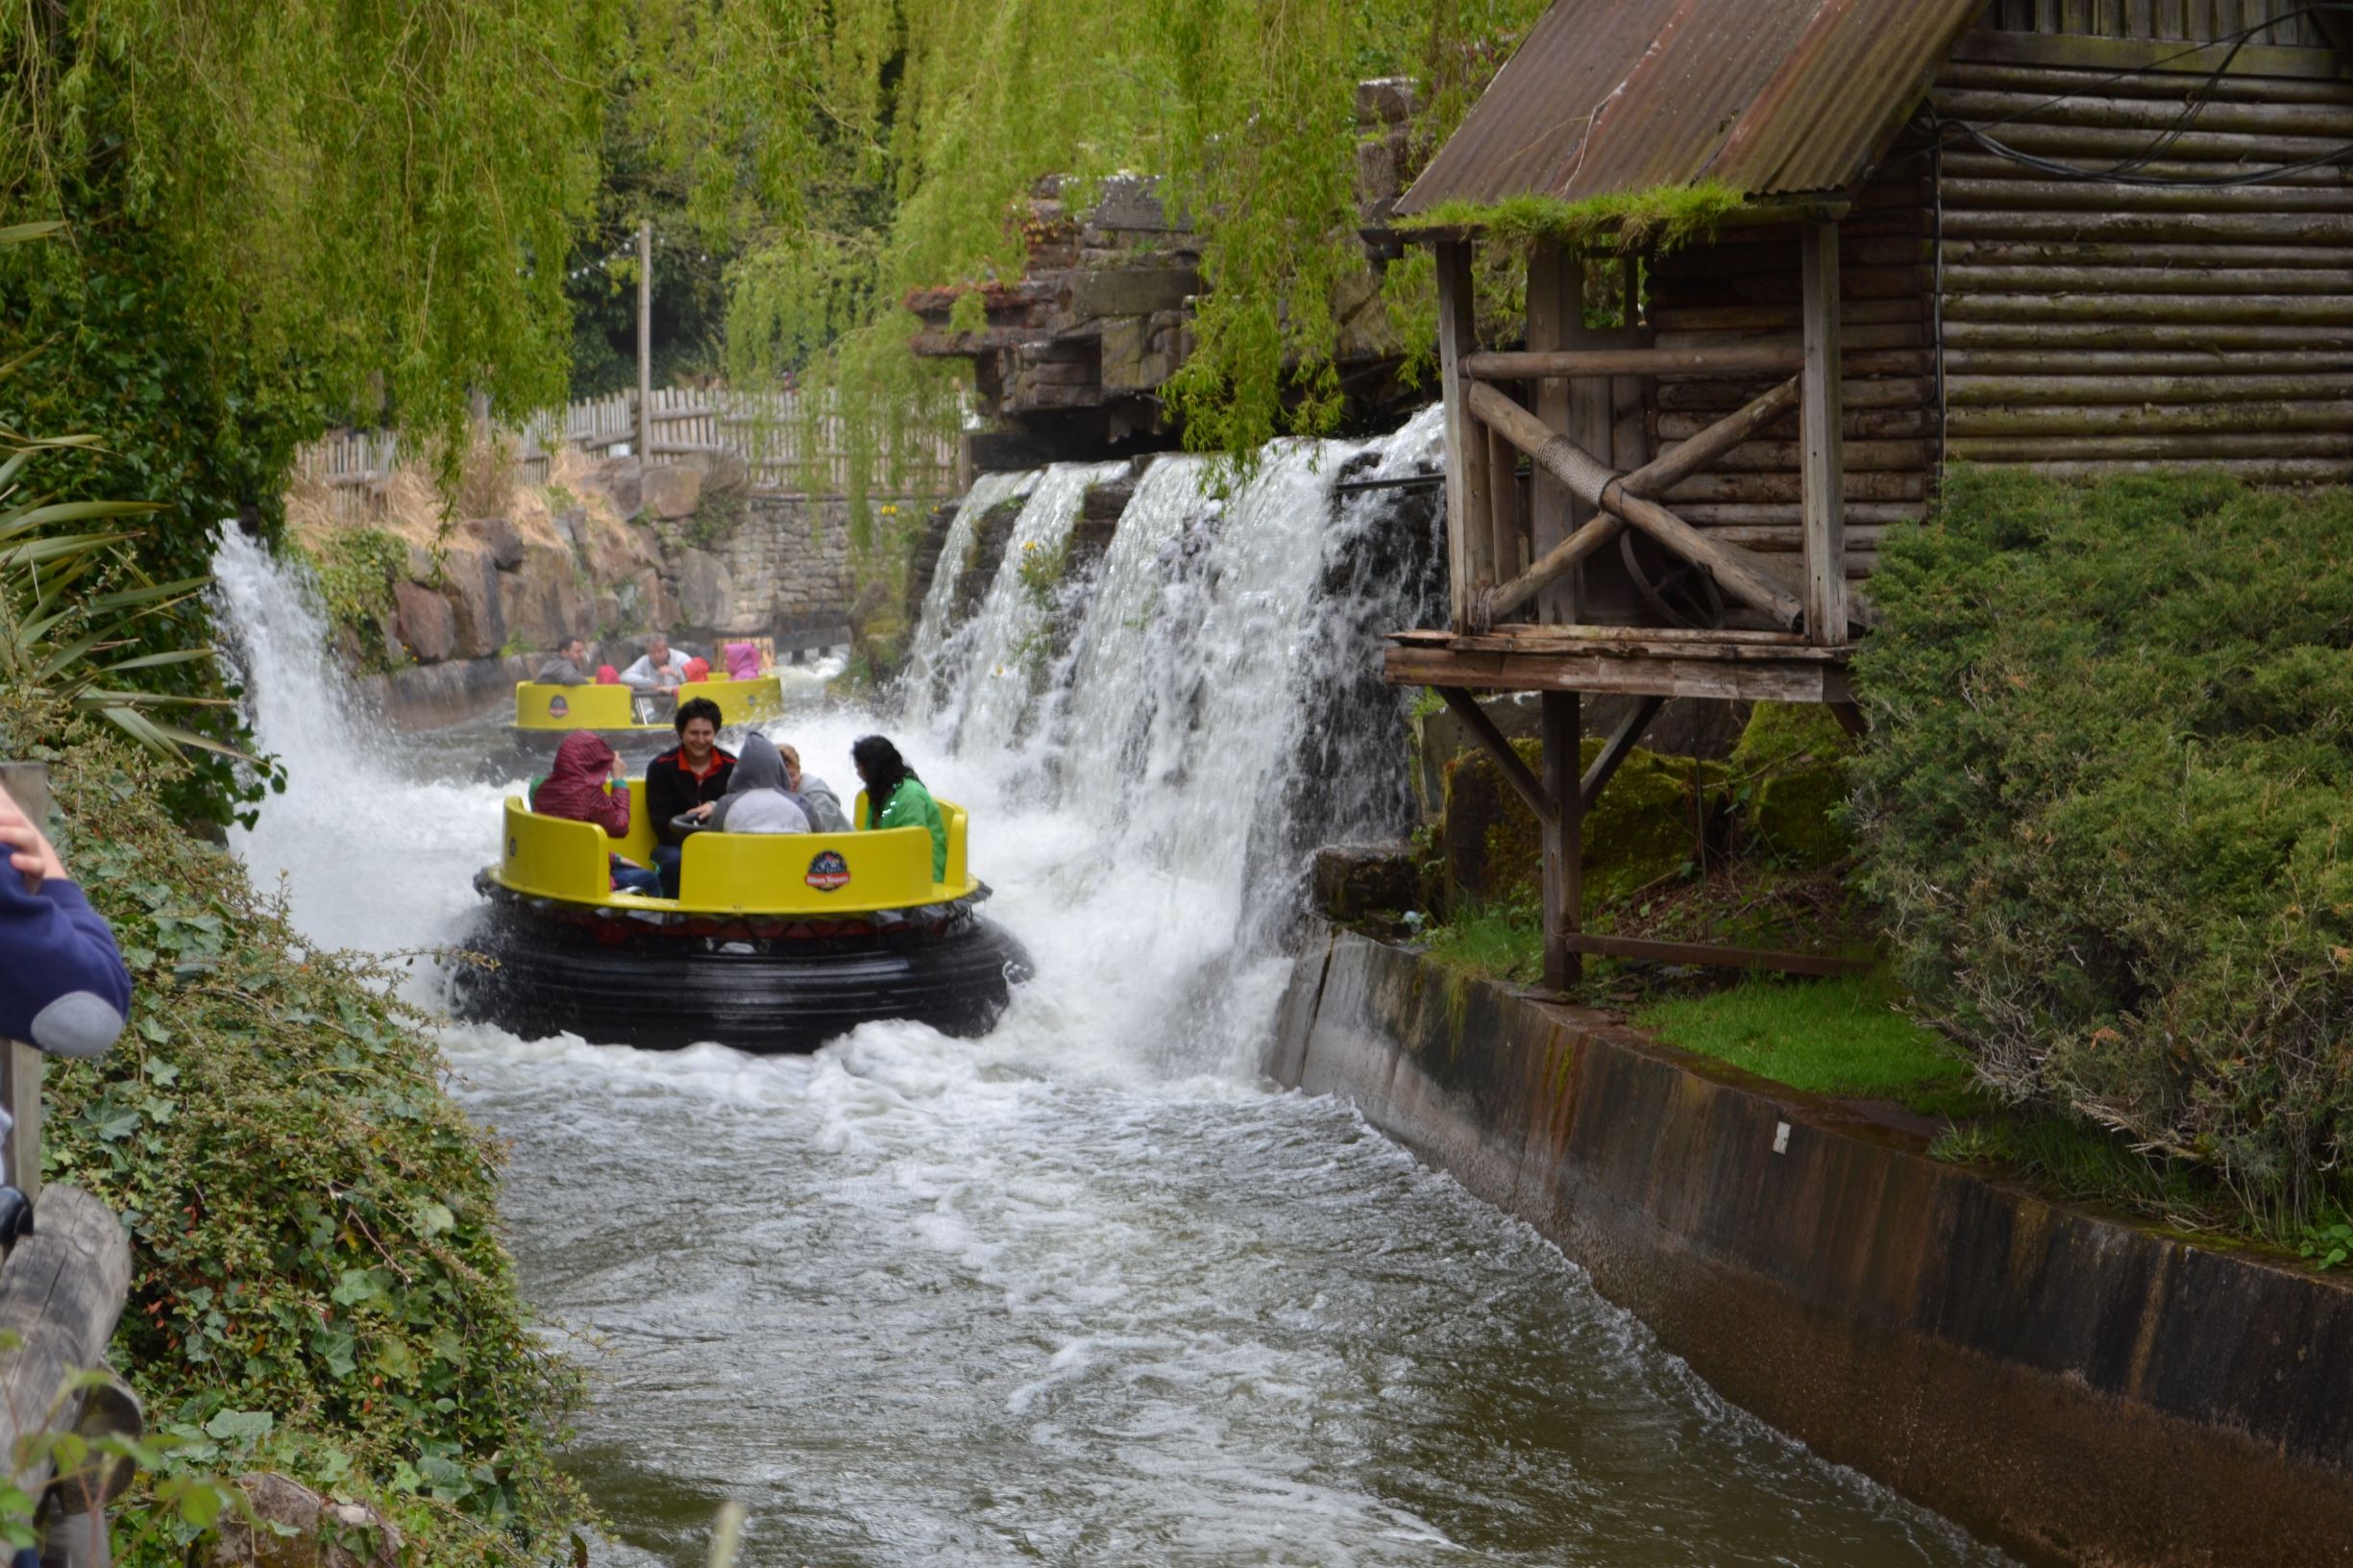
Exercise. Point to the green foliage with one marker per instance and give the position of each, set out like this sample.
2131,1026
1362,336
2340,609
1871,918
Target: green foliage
1829,1037
1789,783
320,1286
355,570
1664,217
2106,805
1500,942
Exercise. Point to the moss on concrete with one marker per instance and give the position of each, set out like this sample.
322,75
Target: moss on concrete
1791,763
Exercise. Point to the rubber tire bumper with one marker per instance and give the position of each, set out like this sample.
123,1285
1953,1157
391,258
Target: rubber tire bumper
667,994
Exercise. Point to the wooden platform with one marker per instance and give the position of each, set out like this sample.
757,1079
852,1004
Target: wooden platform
1738,666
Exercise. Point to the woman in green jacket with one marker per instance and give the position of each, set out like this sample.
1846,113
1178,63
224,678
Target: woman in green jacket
894,797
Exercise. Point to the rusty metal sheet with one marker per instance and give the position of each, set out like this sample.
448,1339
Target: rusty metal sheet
1608,97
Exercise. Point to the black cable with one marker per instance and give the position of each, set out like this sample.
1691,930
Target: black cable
2125,172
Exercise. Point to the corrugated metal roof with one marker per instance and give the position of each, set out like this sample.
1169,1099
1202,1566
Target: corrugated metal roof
1608,97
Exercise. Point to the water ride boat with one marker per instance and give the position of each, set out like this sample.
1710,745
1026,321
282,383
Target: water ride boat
777,942
619,712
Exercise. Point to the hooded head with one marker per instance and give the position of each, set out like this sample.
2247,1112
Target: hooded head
757,766
584,756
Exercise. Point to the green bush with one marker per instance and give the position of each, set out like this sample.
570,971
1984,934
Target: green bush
319,1285
2106,805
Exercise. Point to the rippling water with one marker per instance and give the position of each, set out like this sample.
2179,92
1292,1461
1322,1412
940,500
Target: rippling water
1087,1291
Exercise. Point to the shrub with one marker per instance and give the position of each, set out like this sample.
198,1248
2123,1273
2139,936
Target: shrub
319,1286
2104,803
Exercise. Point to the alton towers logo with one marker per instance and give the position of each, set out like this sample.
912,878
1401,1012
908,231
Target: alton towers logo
829,872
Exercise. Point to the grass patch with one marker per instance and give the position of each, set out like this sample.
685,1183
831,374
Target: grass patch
2086,1163
1828,1037
1506,942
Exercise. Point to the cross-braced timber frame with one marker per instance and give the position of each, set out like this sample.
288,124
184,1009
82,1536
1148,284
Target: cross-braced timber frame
1516,604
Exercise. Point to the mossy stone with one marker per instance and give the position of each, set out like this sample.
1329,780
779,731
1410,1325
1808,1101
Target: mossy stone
1793,757
1640,831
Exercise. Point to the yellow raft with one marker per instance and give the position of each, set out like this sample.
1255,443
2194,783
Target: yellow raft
617,710
779,942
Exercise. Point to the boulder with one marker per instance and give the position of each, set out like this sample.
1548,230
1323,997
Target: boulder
542,600
706,594
622,481
1792,763
423,622
724,474
504,540
1387,100
293,1526
1356,882
672,491
469,579
570,526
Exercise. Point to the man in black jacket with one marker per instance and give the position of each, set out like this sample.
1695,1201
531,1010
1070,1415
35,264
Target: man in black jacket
689,778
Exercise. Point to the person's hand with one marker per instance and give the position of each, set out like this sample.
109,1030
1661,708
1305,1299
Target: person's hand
617,773
704,810
29,851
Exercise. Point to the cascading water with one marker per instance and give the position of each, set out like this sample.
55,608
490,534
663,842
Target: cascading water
1082,1291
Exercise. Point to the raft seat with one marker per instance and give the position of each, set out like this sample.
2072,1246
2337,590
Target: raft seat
781,873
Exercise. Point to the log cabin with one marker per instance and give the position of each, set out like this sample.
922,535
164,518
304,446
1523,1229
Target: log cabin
2080,236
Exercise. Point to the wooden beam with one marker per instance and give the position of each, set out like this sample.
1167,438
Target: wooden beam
1714,956
1562,729
1592,480
1822,456
61,1294
1614,752
1538,364
1556,318
1503,509
1655,674
1466,444
1466,708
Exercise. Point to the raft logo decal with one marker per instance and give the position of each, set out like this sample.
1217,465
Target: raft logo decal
557,707
829,872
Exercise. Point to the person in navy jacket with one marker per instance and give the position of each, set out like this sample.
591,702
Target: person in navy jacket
62,985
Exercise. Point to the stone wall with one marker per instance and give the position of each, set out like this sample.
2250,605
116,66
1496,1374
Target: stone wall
2078,1389
781,569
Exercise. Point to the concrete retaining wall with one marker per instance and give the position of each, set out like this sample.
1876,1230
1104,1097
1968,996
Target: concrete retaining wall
2074,1389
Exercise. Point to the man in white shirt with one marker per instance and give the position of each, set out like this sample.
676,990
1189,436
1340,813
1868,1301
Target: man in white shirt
657,670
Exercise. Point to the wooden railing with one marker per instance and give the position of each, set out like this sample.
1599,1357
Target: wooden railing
61,1290
1491,543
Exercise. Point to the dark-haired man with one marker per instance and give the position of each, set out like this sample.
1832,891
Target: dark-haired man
567,666
686,780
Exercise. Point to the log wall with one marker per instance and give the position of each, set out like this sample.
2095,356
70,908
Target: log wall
1744,290
2090,328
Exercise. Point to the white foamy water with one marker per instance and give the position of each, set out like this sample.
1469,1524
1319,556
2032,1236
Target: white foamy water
1085,1291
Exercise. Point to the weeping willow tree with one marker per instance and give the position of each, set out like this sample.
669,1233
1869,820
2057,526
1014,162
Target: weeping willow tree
926,126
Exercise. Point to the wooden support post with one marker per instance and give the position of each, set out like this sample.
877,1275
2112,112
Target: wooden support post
20,1065
1564,869
1467,536
1552,307
60,1297
645,340
1614,753
1822,456
1466,708
1503,507
1850,717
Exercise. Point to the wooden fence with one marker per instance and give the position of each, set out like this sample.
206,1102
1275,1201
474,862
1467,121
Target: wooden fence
786,448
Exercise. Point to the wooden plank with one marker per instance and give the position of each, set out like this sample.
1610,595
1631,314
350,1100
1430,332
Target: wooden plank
1712,956
1556,318
1795,642
1593,480
1650,479
644,337
1466,445
1821,421
1503,507
1785,681
27,783
1507,761
1538,365
1562,728
2100,59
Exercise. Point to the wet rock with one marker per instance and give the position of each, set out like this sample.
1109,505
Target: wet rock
1352,883
1791,762
672,491
503,540
294,1526
705,595
423,622
469,579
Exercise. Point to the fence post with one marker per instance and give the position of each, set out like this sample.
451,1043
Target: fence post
645,342
20,1065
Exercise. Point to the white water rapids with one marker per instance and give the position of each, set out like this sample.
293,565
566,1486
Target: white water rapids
1088,1290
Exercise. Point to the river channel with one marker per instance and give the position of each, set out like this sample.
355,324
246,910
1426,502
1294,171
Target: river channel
1089,1290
